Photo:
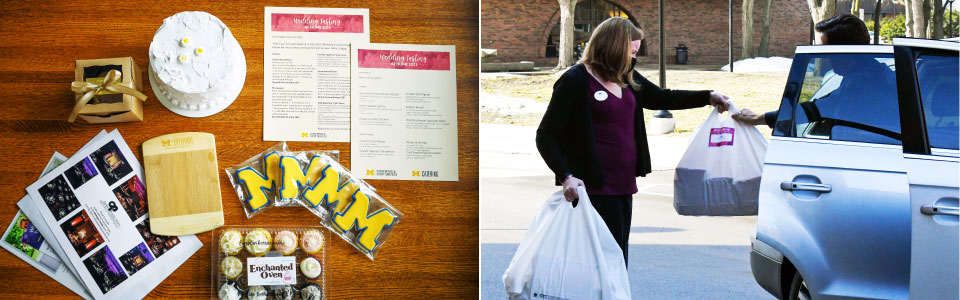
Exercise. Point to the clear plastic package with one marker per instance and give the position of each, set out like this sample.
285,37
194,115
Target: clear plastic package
346,205
255,179
275,262
258,179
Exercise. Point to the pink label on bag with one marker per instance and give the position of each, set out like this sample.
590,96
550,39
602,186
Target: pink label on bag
396,59
721,137
317,23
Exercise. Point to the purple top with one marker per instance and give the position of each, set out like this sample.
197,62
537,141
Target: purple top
613,128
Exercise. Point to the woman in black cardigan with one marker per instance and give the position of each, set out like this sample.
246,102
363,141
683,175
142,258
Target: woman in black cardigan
592,133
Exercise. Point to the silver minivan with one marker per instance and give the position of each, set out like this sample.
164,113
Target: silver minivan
859,193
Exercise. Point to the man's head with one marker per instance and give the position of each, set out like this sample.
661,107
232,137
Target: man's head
843,29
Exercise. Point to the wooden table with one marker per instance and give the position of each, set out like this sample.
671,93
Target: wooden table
433,252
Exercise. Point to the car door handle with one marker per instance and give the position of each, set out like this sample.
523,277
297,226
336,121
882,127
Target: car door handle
930,210
801,186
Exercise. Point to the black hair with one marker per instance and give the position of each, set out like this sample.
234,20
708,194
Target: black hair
844,29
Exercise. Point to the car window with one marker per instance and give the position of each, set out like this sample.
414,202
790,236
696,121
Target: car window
940,95
849,97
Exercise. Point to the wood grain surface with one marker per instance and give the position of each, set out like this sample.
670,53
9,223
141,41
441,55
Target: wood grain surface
432,254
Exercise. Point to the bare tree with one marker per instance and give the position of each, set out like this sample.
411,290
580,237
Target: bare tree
908,10
935,30
566,34
746,30
917,18
821,10
876,22
765,35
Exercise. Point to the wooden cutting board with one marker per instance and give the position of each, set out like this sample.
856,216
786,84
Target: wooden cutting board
183,186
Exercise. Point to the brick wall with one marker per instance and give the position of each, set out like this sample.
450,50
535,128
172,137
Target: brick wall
519,29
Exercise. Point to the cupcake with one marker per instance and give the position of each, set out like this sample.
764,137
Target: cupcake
257,293
285,242
231,241
285,293
312,241
258,242
231,266
229,291
310,267
311,292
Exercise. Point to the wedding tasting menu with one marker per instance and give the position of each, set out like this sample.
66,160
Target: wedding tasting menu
95,207
25,239
404,112
306,66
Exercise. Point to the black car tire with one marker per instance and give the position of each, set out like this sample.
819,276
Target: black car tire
798,289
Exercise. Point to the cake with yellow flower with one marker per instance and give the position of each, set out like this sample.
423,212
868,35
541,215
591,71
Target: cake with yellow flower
197,67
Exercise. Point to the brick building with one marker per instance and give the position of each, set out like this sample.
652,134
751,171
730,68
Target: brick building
529,30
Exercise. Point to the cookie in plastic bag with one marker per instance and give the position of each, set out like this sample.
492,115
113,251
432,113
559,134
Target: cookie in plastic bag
346,205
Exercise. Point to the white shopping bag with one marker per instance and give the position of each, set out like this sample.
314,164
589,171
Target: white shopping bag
719,175
568,253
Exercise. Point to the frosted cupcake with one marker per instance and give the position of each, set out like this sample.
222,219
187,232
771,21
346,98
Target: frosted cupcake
311,241
258,242
285,293
231,266
285,242
311,292
229,291
231,241
257,293
310,267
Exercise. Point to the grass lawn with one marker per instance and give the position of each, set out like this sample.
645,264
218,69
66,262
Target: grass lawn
760,92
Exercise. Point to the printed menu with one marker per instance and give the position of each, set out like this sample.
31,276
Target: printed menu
95,208
404,112
306,71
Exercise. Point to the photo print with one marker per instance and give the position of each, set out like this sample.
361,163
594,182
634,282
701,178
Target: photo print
111,162
81,233
24,236
133,198
59,198
158,244
105,269
80,173
136,259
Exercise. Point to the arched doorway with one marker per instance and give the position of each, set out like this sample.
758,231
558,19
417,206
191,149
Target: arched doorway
587,15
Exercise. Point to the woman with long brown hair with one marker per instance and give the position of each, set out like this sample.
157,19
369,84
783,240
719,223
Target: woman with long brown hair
592,133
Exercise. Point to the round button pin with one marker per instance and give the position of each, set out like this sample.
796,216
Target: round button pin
600,95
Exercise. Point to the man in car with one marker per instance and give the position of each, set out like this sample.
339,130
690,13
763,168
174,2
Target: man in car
844,29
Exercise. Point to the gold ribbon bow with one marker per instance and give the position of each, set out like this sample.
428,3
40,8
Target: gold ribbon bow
89,90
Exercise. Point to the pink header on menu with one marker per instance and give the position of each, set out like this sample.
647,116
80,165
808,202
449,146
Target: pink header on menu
410,60
317,23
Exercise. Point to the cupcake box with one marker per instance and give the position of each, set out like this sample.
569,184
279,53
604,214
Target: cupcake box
259,263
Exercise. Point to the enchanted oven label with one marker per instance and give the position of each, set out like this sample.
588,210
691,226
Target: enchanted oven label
278,270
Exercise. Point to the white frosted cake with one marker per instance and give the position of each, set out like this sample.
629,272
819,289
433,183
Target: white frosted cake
197,67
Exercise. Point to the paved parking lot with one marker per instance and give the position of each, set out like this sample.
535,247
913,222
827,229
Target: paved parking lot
671,256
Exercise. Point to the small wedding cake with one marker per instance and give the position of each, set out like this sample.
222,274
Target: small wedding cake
197,67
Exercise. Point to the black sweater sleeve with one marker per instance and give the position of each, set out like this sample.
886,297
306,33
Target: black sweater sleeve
650,96
555,122
770,117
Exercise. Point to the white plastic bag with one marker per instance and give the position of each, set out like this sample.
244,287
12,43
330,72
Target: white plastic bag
719,175
568,253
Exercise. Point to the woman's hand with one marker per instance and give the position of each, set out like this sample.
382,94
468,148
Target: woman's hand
570,185
719,101
749,117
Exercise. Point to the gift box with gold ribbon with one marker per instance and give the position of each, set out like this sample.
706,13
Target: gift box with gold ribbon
108,91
